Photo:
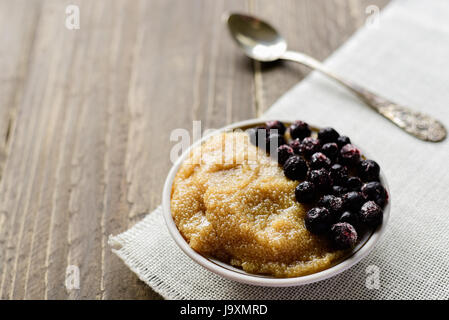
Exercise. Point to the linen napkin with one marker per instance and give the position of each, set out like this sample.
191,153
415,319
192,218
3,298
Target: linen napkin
406,58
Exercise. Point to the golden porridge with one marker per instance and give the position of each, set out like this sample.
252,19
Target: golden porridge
231,201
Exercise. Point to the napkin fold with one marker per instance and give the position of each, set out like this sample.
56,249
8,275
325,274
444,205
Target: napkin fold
406,58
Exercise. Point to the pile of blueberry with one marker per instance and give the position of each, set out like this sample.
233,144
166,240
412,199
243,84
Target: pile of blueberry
343,189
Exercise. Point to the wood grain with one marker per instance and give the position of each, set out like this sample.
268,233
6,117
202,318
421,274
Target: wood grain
17,42
86,116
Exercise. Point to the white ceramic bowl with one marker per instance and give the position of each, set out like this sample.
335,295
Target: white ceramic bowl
227,271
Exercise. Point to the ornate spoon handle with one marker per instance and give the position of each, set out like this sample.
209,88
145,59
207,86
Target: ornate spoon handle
420,125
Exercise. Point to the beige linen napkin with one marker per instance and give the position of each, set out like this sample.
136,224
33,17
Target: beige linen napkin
406,59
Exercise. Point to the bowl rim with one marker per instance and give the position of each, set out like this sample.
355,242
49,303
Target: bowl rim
254,279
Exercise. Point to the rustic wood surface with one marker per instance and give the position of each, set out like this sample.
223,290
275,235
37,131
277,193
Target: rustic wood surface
86,115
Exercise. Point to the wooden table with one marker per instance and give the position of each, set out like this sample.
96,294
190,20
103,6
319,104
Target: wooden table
86,116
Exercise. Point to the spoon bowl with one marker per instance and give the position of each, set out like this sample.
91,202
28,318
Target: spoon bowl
258,39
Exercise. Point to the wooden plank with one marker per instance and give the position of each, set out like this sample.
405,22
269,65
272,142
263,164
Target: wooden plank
53,189
315,27
177,77
18,30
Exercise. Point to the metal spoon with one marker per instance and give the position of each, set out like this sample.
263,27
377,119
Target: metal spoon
262,42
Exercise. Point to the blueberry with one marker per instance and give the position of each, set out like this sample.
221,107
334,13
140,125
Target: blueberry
376,192
276,125
343,235
328,135
349,217
319,160
352,201
310,146
305,192
299,130
318,220
350,155
330,150
284,152
339,174
295,168
339,190
354,184
332,203
274,140
321,179
342,141
296,146
368,170
371,214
